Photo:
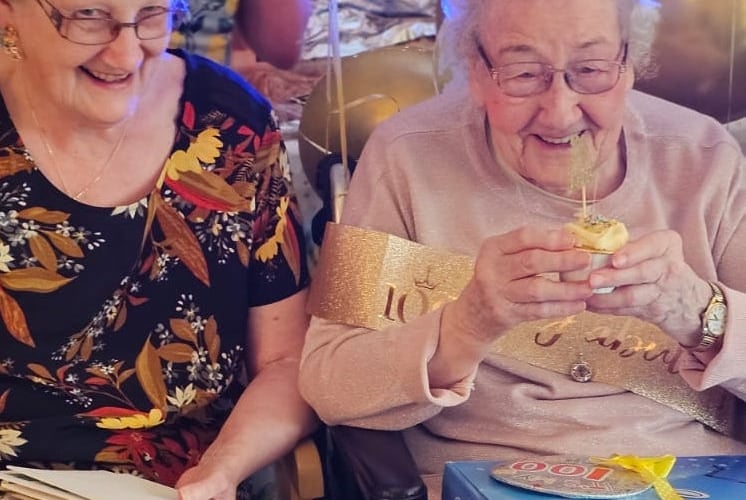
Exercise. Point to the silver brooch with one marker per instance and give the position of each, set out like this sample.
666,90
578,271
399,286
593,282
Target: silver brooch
581,370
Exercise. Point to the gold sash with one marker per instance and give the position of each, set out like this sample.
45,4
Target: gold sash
373,280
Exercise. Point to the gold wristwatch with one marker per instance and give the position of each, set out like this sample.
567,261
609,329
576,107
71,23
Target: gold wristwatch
713,319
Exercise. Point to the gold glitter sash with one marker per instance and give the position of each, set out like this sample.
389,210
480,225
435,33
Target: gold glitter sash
371,279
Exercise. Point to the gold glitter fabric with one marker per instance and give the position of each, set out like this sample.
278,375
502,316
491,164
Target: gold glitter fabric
371,279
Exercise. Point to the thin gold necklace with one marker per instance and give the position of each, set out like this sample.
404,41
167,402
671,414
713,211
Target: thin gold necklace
103,169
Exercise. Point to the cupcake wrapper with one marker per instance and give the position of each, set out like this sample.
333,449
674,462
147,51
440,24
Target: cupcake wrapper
597,260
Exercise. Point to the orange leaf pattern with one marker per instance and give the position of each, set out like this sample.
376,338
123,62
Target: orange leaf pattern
127,324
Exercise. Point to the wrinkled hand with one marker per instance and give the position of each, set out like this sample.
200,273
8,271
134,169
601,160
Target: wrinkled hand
508,286
204,482
654,283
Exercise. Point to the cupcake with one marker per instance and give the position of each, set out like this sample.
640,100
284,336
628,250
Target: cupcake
599,236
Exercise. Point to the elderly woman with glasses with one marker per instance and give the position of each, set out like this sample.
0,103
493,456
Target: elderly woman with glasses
152,273
510,360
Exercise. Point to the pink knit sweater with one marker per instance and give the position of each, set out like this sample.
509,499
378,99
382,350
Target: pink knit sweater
427,175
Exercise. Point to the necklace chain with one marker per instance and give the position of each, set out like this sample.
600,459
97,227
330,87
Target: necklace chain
99,172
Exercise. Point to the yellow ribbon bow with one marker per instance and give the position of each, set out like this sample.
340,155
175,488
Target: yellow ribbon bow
652,469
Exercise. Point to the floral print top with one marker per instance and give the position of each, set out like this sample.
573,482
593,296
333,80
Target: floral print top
122,341
207,30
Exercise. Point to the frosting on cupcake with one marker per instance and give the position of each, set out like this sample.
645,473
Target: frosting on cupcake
598,234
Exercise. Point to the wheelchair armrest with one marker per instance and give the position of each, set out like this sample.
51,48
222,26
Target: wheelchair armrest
379,461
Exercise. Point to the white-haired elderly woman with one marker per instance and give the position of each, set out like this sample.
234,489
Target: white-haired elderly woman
151,266
546,126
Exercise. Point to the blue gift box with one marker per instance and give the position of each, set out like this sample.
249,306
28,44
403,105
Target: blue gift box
713,477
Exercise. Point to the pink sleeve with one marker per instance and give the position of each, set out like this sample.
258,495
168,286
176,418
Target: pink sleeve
726,367
375,378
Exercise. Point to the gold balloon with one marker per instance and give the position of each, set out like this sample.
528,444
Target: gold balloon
376,84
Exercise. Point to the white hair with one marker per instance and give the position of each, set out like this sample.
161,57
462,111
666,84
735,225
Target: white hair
458,34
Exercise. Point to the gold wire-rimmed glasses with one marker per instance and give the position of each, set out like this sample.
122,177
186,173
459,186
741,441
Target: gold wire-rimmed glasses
587,76
92,26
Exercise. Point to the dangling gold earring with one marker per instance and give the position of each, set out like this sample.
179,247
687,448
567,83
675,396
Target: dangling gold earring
10,43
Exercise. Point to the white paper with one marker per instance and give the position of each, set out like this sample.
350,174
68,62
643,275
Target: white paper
97,484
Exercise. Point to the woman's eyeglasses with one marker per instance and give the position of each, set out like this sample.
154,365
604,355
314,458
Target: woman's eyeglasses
93,27
589,76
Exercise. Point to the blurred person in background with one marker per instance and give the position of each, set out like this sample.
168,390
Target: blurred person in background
271,29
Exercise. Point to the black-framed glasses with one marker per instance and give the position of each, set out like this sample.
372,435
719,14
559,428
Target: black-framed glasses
588,76
93,26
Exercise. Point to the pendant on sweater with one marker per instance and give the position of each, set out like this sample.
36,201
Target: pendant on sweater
581,370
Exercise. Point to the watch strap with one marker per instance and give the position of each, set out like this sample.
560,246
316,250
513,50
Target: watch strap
709,338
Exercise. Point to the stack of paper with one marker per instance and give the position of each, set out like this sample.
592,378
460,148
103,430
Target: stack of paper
22,483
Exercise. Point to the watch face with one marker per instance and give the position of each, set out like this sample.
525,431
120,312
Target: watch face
716,319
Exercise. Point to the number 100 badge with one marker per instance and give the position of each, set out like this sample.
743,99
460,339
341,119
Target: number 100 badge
570,476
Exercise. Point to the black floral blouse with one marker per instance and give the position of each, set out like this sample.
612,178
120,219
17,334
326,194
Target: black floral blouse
123,329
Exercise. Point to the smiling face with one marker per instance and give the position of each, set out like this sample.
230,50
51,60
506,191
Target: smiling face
534,135
97,85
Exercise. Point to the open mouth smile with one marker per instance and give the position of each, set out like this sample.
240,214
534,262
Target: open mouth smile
106,77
